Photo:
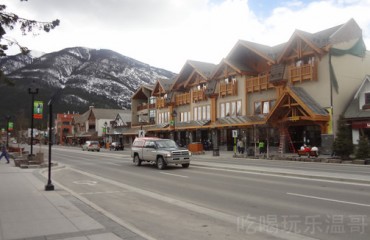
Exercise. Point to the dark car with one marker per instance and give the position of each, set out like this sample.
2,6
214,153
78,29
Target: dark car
116,146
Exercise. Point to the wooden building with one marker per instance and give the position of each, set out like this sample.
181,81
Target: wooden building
285,95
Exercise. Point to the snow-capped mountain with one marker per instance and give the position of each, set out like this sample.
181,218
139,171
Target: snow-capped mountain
102,78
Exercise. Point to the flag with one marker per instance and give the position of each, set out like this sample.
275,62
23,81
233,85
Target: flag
37,109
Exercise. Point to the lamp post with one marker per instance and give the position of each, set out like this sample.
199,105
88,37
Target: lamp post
49,186
7,117
174,115
32,92
105,133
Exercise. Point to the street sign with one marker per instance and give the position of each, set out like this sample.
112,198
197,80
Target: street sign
235,133
141,133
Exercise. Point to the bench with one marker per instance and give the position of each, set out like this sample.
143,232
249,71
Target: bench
307,153
15,149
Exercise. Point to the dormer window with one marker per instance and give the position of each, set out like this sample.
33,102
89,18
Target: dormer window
367,98
367,101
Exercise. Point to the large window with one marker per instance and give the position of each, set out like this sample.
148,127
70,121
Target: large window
202,113
233,108
152,100
163,117
184,116
263,107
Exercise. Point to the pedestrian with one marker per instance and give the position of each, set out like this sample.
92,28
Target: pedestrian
4,153
261,146
240,146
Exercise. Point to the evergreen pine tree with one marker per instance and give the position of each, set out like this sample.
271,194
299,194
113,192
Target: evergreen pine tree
363,150
343,146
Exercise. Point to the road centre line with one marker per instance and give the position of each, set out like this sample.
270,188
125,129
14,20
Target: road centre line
176,175
328,199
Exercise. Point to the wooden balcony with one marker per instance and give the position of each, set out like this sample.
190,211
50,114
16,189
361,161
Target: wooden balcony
199,95
259,83
228,89
302,73
161,103
142,106
182,99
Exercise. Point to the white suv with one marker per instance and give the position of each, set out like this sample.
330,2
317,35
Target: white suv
162,152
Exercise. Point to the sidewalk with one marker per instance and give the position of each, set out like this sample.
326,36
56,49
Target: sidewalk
330,176
30,212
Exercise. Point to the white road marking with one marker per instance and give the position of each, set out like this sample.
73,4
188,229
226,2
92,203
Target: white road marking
92,193
176,175
253,226
329,199
86,182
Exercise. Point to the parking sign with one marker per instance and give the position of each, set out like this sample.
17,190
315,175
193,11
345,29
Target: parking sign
235,133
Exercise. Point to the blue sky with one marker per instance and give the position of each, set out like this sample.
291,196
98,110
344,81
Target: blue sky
167,33
264,8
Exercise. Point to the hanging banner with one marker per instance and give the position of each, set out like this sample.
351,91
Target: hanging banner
38,109
10,126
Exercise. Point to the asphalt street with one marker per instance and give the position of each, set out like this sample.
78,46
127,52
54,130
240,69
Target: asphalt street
205,202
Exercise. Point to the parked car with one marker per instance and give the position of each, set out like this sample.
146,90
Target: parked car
161,152
116,146
91,146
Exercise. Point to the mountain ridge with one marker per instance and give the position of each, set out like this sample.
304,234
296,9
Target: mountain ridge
82,76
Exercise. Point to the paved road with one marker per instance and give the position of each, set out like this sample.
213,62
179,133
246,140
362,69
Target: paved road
218,203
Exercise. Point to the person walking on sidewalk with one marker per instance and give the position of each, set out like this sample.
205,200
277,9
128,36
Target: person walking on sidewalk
4,153
240,146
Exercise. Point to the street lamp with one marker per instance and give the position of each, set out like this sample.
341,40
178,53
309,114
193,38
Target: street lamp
7,117
49,186
174,115
105,133
32,92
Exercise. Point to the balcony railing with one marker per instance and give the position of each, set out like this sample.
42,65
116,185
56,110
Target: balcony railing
161,103
259,83
142,107
182,99
304,72
199,95
228,89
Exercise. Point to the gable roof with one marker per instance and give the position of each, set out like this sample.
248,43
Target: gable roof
190,68
100,113
295,103
140,92
353,109
238,67
305,37
264,51
125,116
317,41
162,86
